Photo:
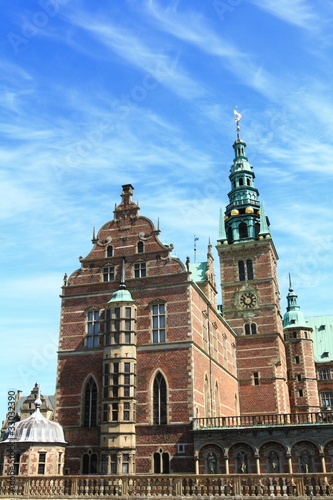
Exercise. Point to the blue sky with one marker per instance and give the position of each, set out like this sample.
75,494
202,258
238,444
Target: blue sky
94,95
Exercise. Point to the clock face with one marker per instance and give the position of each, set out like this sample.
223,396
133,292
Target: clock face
248,300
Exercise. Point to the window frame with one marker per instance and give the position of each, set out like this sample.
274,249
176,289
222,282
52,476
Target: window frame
93,328
158,322
140,269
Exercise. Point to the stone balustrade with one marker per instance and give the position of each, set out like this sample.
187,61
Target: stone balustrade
264,420
172,486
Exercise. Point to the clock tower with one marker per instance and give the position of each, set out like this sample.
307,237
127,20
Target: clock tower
250,292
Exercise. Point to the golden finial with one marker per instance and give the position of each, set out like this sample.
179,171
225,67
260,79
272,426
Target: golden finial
238,117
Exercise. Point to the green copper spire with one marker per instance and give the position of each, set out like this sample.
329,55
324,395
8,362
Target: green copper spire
243,221
222,234
293,317
264,229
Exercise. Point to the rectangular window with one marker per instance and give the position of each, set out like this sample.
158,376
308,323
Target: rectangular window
324,374
127,338
41,463
140,270
326,399
256,380
127,325
17,464
105,412
126,411
92,338
127,367
249,269
108,273
115,367
114,464
299,377
125,469
128,312
297,360
158,323
241,270
116,313
300,393
115,412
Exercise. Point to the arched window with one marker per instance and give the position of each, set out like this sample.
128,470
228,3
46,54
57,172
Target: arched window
248,181
89,463
242,228
161,462
241,270
250,328
140,247
240,181
159,400
249,269
109,251
90,404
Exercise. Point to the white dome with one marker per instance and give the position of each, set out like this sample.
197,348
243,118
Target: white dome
36,429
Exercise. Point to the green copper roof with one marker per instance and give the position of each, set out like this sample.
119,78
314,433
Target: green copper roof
322,336
294,316
121,295
264,229
198,270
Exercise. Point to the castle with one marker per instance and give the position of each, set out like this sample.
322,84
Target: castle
153,377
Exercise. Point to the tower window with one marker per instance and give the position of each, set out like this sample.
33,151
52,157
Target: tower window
300,393
109,251
158,316
297,360
159,400
241,270
17,464
41,463
108,273
249,269
242,229
248,181
299,377
140,270
240,181
250,328
140,247
90,404
257,229
230,236
256,380
245,270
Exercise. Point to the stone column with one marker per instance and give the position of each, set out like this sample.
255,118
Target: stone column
290,465
226,460
257,463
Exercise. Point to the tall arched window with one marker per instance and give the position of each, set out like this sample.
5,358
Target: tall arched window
242,229
159,400
90,404
140,247
109,251
161,462
249,269
89,463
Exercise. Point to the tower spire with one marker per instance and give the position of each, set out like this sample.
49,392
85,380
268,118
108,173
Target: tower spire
238,117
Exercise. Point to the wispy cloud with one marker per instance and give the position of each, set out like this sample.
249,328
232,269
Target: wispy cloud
300,13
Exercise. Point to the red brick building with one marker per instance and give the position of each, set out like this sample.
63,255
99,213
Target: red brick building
153,378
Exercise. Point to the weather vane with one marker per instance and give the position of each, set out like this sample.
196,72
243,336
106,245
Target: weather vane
238,117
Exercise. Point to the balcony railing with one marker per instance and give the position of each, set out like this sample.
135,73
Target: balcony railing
172,486
323,417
